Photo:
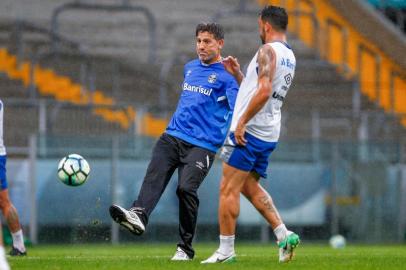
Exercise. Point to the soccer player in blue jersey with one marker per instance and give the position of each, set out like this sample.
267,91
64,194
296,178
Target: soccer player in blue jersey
195,133
7,208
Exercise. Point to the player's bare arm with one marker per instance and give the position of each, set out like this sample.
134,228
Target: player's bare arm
266,68
233,67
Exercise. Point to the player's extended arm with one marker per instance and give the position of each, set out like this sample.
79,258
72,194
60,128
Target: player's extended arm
266,65
233,67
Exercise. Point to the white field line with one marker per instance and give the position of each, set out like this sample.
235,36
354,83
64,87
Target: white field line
92,258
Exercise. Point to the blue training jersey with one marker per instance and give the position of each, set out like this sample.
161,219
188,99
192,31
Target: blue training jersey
205,107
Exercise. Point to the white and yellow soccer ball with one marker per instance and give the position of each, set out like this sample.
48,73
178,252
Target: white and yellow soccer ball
73,170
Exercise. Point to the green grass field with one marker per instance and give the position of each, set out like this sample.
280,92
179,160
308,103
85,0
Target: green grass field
156,256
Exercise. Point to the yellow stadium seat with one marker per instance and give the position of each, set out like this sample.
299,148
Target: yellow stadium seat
62,88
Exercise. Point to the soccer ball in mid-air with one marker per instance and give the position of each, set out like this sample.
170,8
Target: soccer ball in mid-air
73,170
337,241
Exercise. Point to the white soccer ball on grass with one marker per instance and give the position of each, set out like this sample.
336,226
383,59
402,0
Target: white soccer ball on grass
337,241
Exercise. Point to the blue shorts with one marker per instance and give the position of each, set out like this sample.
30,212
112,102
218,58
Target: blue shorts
253,156
3,178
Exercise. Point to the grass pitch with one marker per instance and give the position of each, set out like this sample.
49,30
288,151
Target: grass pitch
255,256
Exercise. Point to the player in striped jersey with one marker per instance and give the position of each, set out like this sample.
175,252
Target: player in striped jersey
254,134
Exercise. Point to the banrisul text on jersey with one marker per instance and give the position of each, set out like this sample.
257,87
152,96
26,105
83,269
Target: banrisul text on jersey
204,111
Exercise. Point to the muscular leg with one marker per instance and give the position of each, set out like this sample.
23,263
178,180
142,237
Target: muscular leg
229,206
9,211
261,200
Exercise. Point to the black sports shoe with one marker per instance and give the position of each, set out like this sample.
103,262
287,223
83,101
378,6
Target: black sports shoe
129,219
16,252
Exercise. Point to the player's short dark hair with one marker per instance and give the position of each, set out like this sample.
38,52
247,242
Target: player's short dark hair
213,28
276,16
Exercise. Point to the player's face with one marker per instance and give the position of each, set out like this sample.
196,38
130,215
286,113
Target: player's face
261,27
208,48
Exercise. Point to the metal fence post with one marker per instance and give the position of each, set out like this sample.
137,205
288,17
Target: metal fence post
264,232
33,189
334,207
363,137
116,80
356,99
316,134
92,82
401,235
42,119
139,124
114,182
32,90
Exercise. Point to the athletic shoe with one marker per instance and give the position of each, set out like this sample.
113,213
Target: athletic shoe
16,252
219,257
180,255
287,247
3,263
129,219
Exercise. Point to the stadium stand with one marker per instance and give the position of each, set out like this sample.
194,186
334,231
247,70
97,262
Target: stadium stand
394,10
61,88
108,46
349,91
353,47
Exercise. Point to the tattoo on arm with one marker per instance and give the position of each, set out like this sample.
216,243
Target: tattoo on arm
266,65
266,62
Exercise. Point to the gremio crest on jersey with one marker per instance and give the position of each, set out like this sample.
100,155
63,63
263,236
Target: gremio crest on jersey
212,78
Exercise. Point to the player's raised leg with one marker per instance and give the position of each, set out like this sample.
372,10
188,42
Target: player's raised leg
160,169
260,198
229,208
